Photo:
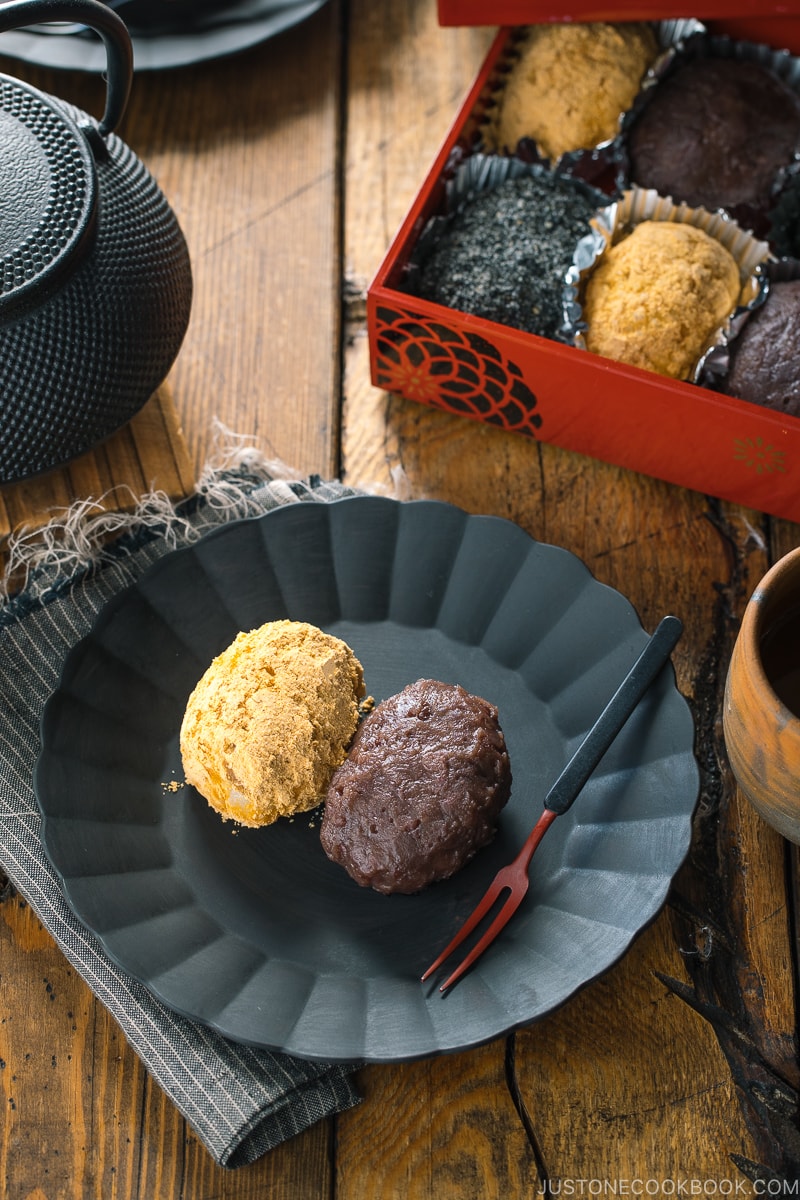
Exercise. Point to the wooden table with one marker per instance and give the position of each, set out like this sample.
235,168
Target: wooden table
290,167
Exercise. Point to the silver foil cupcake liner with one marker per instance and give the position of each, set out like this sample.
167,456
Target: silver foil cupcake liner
671,36
476,174
783,219
474,177
716,362
700,43
481,172
613,222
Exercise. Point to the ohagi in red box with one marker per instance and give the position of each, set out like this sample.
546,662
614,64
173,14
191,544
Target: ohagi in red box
503,339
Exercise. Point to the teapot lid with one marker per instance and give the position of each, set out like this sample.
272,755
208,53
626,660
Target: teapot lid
48,190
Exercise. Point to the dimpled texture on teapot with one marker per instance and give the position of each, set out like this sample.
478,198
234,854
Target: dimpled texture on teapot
46,188
76,365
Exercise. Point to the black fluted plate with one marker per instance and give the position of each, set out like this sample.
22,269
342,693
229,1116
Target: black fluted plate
256,932
160,49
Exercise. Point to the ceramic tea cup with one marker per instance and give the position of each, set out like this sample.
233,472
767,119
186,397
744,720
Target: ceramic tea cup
761,712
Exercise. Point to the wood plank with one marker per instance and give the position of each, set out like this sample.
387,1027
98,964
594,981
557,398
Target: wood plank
81,1116
148,454
609,1054
653,1085
443,1127
406,80
246,151
627,1080
624,1084
755,984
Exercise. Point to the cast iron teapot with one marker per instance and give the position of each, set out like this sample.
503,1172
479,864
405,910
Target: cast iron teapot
95,279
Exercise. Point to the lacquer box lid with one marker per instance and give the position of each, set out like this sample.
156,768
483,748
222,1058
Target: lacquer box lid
774,21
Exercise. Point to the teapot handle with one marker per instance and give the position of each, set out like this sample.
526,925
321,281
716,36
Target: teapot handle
100,18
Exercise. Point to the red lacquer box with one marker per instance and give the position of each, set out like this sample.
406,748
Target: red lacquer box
777,23
680,432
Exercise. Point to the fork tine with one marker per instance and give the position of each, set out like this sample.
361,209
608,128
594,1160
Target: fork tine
506,912
490,896
513,878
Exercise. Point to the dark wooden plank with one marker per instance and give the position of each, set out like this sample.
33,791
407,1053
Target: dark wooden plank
629,1080
246,151
81,1117
443,1127
149,454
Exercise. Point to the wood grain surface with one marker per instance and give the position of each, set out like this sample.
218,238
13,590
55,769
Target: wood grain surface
290,167
148,454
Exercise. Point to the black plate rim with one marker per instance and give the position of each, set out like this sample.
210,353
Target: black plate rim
154,53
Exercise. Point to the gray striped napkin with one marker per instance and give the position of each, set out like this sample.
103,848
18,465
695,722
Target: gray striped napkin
240,1101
